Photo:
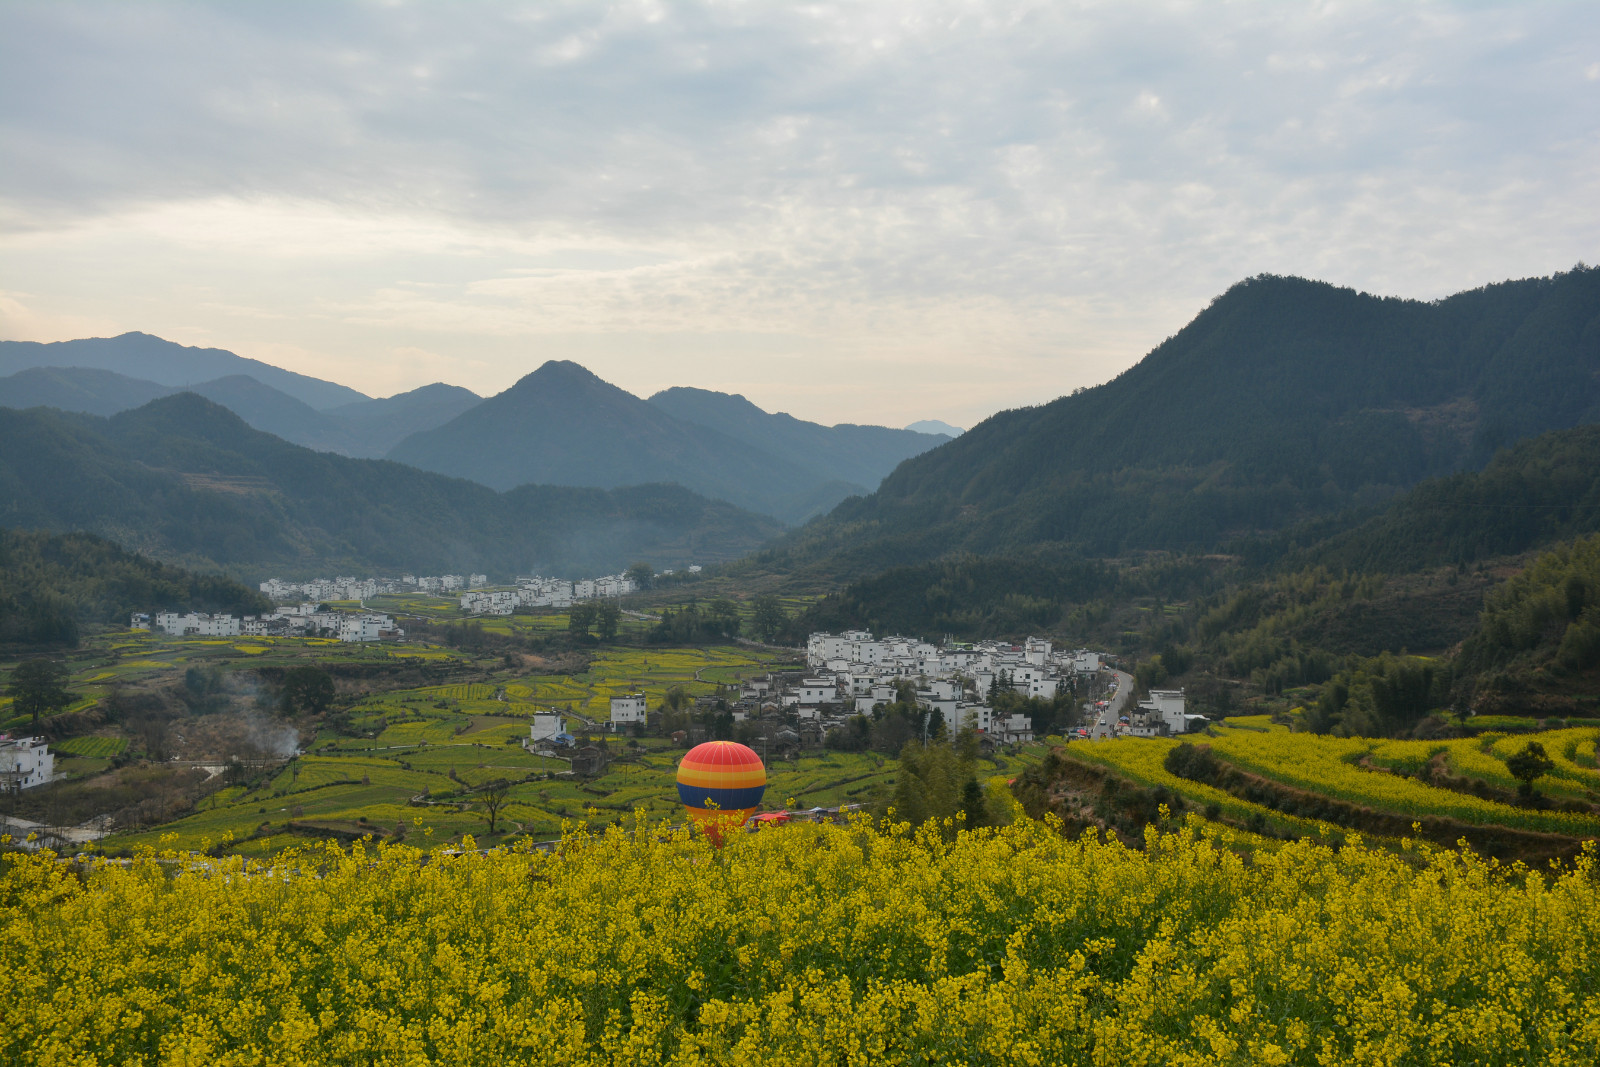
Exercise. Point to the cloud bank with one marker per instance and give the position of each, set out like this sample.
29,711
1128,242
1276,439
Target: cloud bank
865,212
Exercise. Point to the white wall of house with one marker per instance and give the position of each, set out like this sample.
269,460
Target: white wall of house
25,762
627,709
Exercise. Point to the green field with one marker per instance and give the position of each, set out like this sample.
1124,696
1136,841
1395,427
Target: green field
91,747
408,760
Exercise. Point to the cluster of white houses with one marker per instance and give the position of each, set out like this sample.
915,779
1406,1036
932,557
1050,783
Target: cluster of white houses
24,763
534,591
295,620
856,671
955,680
362,588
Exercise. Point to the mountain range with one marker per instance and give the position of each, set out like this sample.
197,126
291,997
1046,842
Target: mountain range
185,480
151,359
1285,404
563,425
560,425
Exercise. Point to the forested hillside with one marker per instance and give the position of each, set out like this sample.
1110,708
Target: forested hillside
1291,609
1284,400
1540,631
1540,491
50,583
185,480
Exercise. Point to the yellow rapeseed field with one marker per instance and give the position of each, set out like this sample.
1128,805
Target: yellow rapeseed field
805,945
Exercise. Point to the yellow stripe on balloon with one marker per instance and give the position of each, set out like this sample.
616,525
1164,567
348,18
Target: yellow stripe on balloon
722,779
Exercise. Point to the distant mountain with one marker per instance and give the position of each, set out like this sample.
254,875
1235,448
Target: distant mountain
187,481
1284,400
367,428
94,392
379,425
147,358
863,455
278,413
562,425
934,426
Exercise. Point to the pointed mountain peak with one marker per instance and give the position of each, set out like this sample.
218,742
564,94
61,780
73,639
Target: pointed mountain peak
563,377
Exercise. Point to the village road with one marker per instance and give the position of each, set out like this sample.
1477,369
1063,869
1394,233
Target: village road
1113,709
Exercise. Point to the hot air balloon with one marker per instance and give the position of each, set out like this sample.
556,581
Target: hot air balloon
720,783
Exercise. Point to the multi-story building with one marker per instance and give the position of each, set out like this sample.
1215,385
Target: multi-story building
626,710
24,762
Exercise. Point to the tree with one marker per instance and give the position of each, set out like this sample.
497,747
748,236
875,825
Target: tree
1528,764
641,573
724,617
494,797
607,617
768,618
308,689
39,685
580,617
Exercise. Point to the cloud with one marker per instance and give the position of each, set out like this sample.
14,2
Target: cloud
1043,189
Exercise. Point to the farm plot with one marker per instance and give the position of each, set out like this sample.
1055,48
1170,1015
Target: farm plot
1327,765
91,747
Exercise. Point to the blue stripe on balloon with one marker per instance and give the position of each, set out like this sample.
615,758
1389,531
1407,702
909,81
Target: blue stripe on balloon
699,796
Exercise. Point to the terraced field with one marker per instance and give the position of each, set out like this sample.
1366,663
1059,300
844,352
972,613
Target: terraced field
1385,776
411,759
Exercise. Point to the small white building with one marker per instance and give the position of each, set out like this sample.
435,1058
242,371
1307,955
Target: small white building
818,691
365,627
24,762
196,624
1167,704
546,728
627,709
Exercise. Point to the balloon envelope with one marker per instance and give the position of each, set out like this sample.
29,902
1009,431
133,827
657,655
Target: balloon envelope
720,783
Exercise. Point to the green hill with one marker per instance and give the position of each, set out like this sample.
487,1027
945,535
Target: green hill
1284,400
1288,586
50,583
185,480
1538,492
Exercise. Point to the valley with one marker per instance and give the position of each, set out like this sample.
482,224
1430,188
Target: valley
1342,619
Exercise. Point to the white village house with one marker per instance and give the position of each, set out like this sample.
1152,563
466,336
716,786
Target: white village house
24,762
626,710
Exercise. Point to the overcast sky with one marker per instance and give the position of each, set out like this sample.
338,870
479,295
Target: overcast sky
872,212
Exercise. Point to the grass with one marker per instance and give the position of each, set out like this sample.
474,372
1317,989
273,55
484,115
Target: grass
91,747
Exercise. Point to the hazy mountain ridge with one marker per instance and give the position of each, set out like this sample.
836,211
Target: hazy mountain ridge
863,455
564,425
367,428
185,480
147,358
559,425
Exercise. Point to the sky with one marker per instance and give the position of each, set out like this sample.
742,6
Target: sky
854,212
